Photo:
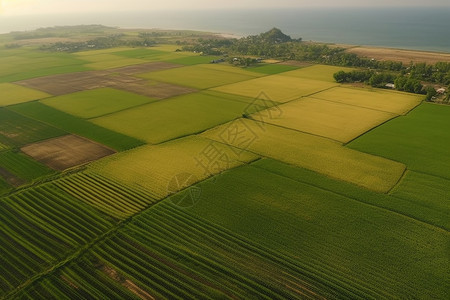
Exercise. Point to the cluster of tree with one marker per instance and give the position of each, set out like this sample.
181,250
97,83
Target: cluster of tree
110,41
59,31
380,79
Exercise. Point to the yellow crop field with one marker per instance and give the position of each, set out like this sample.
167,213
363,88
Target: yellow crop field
201,76
317,72
328,119
384,100
168,167
311,152
276,87
13,94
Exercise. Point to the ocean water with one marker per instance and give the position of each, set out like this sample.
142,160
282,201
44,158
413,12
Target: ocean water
407,28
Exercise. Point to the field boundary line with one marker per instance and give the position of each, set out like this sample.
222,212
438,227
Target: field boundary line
351,198
374,109
398,181
292,129
371,129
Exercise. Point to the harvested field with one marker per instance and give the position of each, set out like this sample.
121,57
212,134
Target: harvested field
340,122
404,56
13,94
278,88
311,152
383,100
120,78
144,68
66,152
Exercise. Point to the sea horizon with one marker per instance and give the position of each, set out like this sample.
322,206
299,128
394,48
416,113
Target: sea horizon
415,28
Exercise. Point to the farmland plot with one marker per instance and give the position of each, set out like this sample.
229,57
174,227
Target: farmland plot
17,130
65,152
201,76
276,87
388,101
110,197
418,196
328,235
76,125
419,140
19,64
166,168
176,117
336,121
95,103
13,94
39,228
315,153
23,166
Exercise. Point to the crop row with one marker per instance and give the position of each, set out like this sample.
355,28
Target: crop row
167,253
115,199
41,226
22,166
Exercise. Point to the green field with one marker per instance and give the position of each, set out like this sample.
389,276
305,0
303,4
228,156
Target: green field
315,153
418,140
96,103
13,94
378,99
277,87
18,130
271,69
175,117
39,228
417,195
76,125
332,120
201,76
328,235
19,64
23,166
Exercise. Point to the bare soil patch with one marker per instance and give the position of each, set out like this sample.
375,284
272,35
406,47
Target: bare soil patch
156,90
144,68
404,56
11,179
130,285
120,78
65,152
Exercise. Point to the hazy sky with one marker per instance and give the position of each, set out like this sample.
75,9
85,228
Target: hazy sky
23,7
